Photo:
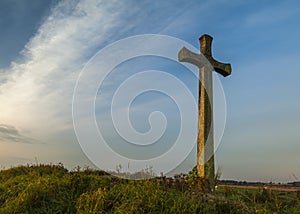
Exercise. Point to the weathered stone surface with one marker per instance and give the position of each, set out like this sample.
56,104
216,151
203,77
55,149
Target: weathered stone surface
205,106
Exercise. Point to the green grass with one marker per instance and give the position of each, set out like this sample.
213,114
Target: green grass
53,189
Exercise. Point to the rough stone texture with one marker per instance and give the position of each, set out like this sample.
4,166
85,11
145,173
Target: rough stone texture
205,122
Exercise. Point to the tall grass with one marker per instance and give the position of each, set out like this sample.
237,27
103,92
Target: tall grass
53,189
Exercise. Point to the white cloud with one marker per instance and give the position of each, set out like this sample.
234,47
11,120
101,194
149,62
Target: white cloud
36,92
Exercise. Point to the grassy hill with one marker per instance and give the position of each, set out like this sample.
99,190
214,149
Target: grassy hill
54,189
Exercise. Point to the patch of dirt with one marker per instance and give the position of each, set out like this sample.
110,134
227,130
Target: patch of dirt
269,187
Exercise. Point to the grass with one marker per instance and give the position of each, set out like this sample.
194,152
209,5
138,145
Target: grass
53,189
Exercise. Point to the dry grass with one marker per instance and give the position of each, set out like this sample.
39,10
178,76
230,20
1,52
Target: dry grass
53,189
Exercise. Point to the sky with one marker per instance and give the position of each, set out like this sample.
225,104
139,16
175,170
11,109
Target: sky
45,45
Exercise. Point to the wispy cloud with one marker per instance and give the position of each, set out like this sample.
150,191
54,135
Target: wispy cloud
36,92
12,134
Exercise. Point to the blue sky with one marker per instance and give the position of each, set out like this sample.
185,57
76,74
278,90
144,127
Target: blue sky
45,44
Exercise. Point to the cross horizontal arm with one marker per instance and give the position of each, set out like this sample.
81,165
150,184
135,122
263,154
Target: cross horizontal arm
205,48
185,55
221,68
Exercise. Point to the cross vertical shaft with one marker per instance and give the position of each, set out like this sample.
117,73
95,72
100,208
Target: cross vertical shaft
205,164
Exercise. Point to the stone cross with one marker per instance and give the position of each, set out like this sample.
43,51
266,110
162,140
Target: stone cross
205,140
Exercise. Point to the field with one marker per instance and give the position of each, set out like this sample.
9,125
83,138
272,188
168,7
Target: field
54,189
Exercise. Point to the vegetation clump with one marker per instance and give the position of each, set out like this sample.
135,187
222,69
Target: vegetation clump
54,189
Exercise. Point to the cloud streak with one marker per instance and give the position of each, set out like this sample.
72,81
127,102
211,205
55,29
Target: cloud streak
12,134
36,91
